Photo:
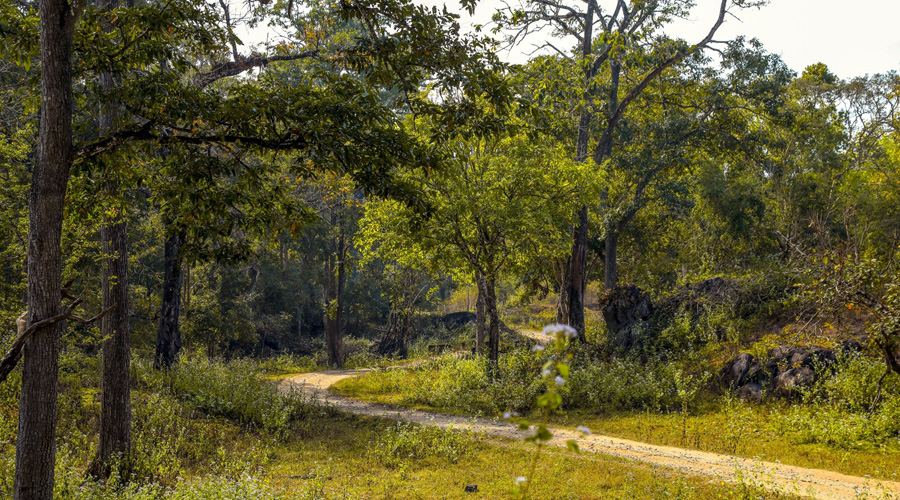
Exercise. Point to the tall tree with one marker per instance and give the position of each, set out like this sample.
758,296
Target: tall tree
36,439
614,43
115,408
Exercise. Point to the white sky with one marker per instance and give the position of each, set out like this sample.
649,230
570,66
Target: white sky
853,37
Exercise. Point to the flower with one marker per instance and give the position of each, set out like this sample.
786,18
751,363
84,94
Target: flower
507,415
584,430
537,348
559,328
546,372
559,380
521,480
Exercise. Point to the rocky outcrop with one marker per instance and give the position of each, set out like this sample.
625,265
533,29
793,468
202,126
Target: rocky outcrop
785,371
625,310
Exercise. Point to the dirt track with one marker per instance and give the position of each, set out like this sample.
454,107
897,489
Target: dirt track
773,476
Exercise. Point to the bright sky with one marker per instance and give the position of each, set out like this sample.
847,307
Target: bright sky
853,38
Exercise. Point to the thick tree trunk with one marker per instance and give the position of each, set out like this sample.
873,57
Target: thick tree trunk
490,304
577,279
168,334
36,439
479,315
115,409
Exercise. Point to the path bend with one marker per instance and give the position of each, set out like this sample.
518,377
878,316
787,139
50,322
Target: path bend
773,476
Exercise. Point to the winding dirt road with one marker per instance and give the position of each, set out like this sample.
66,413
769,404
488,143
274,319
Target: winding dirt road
813,483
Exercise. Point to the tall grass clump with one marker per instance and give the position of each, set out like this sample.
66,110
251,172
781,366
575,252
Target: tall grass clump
841,408
232,389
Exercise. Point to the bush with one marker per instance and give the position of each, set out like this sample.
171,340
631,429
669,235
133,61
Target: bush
230,389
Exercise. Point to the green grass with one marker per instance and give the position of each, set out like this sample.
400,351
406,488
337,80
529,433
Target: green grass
723,426
187,447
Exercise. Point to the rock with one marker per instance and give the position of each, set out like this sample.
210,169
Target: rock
752,392
789,382
625,310
456,319
787,369
848,346
735,372
471,488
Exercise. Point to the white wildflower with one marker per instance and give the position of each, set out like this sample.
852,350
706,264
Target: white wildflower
521,480
559,380
537,348
584,430
559,328
546,372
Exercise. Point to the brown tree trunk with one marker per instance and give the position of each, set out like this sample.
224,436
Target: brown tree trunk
570,308
609,264
168,334
576,279
479,315
36,438
334,303
115,409
490,305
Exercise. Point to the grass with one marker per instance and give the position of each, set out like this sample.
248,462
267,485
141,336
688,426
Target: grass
725,426
188,447
340,461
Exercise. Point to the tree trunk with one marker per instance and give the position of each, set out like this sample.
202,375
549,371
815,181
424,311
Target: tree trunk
334,291
570,308
168,335
576,279
36,439
609,263
115,410
479,315
490,304
115,406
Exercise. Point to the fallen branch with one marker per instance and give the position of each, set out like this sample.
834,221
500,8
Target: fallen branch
14,354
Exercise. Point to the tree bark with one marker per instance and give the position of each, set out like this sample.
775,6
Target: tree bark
115,407
490,305
570,309
609,259
479,315
334,302
168,335
36,439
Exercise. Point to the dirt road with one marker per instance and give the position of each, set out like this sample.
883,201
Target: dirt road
813,483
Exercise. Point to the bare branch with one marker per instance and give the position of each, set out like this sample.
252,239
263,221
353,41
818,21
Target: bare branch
241,64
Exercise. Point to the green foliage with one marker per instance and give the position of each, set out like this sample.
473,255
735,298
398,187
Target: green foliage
231,389
404,443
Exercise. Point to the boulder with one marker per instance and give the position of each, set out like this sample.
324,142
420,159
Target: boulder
456,319
625,310
784,373
789,383
752,392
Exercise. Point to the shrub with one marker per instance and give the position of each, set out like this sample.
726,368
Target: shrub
230,389
405,441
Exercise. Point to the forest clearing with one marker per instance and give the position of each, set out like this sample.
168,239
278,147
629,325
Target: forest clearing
408,249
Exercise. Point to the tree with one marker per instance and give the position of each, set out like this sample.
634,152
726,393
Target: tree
497,207
620,51
36,441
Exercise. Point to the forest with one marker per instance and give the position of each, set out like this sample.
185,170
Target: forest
360,254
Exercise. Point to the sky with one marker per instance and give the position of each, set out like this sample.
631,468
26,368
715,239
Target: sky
853,37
